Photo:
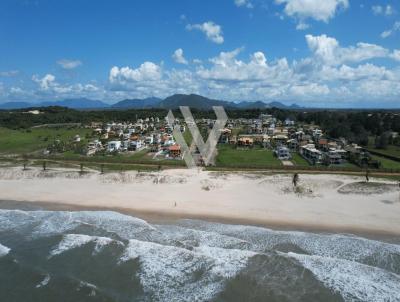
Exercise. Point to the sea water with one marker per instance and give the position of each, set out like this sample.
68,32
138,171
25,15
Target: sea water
108,256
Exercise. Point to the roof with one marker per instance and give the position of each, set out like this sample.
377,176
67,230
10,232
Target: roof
174,148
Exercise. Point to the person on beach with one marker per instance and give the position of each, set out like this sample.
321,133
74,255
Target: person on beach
295,179
367,176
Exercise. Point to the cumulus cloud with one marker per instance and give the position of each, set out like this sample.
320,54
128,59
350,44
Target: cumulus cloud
69,64
212,31
245,3
393,30
178,57
382,10
331,73
148,71
45,82
328,50
48,86
314,9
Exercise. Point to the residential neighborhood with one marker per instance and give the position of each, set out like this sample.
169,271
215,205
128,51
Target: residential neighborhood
290,142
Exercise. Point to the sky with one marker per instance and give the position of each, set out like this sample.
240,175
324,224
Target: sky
330,53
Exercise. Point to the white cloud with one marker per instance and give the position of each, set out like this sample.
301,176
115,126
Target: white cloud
46,82
245,3
9,73
178,57
212,31
69,64
148,71
393,30
382,10
395,55
320,10
48,86
302,26
328,50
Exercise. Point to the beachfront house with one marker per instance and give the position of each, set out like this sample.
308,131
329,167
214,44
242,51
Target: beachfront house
113,146
283,153
311,154
135,145
174,151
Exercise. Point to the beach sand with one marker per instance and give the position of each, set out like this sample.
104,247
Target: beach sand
334,203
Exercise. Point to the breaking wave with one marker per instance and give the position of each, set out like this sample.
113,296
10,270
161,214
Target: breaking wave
107,256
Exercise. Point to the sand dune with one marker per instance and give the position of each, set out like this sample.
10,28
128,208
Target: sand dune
326,202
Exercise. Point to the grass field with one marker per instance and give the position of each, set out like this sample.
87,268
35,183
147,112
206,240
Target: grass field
387,163
230,156
298,160
390,150
26,141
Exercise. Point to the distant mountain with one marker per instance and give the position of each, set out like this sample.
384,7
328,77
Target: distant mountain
263,105
171,102
152,102
252,105
81,103
193,101
15,105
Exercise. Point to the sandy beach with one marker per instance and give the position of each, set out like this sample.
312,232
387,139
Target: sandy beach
335,203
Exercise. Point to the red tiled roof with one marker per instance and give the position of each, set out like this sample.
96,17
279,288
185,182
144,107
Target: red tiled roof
174,148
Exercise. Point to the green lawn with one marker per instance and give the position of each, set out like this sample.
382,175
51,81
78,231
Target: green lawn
257,157
140,157
387,163
298,160
390,150
25,141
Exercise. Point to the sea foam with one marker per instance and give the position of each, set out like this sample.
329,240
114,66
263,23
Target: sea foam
354,281
4,250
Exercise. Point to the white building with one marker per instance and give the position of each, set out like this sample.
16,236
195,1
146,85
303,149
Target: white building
283,153
113,146
310,153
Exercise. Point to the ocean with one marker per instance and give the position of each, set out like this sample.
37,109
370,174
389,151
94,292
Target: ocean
108,256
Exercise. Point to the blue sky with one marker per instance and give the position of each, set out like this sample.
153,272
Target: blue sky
331,53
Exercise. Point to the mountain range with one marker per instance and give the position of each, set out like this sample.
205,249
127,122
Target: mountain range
171,102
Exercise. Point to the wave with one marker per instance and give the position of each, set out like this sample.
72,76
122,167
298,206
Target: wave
4,250
193,260
169,273
72,241
349,247
353,280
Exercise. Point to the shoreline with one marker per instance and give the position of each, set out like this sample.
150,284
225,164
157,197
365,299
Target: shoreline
327,203
171,218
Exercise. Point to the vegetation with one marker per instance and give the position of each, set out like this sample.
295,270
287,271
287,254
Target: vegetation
387,163
230,156
31,140
298,160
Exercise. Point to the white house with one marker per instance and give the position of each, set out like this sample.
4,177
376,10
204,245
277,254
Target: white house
113,146
283,153
135,145
311,154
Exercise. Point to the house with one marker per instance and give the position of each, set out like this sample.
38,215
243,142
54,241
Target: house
149,140
225,135
283,153
245,141
332,157
311,154
292,144
113,146
135,145
174,151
